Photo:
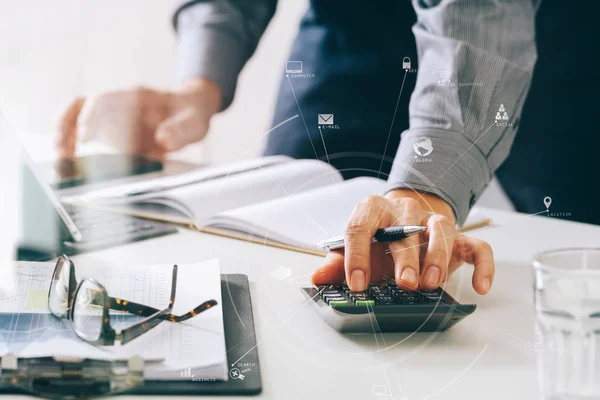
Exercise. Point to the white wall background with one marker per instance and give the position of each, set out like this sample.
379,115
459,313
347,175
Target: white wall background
54,50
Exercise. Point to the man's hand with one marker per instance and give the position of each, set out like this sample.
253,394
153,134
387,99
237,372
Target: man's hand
424,260
141,120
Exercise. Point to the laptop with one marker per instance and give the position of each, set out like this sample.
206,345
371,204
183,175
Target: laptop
47,228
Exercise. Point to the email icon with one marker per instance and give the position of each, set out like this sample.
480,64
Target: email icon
325,119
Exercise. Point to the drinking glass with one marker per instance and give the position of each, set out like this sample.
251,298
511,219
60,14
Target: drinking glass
567,307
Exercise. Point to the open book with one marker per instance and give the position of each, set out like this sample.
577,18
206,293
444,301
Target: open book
273,199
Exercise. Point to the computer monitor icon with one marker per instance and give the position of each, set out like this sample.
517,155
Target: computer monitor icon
380,391
293,67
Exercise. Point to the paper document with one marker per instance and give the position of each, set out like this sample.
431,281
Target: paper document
27,329
302,219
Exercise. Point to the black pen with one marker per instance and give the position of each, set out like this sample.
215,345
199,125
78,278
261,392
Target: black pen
390,234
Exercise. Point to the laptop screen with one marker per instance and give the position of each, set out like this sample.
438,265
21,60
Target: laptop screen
42,224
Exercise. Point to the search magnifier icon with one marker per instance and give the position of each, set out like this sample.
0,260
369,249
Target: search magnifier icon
235,373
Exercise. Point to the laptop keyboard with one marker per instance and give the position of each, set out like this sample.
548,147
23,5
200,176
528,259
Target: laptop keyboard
102,229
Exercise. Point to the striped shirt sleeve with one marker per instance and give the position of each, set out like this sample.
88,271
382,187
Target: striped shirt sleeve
217,37
475,64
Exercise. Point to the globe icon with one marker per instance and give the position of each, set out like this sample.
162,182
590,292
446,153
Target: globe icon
423,146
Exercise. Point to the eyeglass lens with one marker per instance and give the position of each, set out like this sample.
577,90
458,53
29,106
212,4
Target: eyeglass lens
59,288
88,311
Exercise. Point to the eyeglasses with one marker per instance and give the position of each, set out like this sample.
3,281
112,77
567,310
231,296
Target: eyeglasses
87,306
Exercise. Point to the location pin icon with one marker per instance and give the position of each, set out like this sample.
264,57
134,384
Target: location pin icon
547,201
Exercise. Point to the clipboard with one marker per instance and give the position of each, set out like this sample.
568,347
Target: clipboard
49,378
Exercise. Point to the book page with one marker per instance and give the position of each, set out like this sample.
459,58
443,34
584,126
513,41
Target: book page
209,198
303,219
157,209
148,188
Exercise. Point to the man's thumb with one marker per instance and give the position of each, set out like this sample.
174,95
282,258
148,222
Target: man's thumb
183,128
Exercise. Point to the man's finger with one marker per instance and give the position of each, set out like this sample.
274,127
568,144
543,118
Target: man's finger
67,136
382,262
441,234
361,227
485,268
456,260
406,252
332,270
480,254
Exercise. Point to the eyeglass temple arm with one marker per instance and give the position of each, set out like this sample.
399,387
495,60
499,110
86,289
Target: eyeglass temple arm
191,314
151,321
146,311
143,326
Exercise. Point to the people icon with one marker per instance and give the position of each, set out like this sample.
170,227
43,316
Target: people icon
501,114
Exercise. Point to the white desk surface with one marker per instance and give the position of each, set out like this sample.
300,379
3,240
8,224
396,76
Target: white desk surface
489,355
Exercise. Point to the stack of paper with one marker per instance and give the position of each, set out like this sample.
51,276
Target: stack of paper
194,349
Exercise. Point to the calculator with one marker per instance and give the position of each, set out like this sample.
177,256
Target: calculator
384,307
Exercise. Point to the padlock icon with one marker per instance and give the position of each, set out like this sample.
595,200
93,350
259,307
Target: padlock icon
406,63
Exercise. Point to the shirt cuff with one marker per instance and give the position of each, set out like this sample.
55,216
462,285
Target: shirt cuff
454,170
210,52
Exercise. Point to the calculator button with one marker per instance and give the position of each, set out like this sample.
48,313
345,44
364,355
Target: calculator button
410,298
433,296
382,296
365,303
322,288
437,291
377,289
396,291
405,295
338,303
358,296
329,300
384,300
410,294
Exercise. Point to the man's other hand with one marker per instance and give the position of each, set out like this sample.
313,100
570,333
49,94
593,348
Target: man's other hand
141,120
419,261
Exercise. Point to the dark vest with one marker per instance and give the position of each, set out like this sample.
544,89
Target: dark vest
355,51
